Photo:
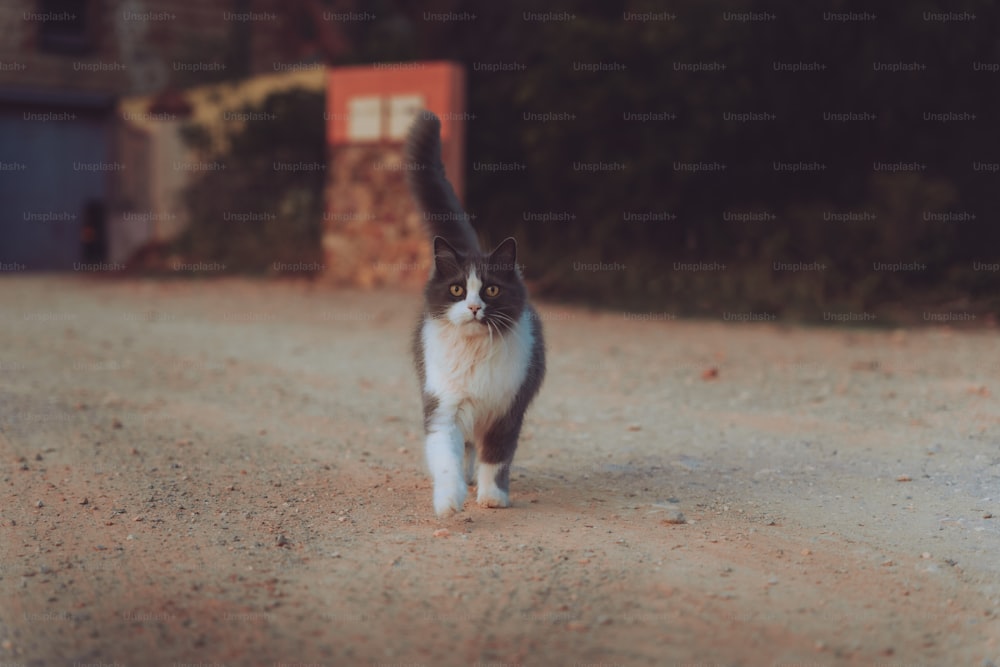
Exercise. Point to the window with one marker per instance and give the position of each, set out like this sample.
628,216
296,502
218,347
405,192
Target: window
372,118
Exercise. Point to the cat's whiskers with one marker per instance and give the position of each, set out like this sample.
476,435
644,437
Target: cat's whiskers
504,319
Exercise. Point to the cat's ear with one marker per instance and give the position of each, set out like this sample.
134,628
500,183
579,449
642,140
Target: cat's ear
445,257
504,256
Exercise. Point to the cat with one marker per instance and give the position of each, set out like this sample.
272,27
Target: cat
478,345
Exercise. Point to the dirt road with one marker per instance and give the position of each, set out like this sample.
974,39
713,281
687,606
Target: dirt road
232,473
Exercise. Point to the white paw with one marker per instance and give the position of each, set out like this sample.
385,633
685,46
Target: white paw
493,497
449,497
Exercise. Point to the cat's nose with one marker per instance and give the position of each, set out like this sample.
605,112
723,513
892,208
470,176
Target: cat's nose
474,308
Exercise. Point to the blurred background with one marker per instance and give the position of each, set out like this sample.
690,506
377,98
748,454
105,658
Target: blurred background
834,164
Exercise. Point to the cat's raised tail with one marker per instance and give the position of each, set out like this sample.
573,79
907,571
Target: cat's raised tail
440,210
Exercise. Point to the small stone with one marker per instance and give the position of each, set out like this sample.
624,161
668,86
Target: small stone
282,541
604,620
888,563
988,515
710,373
84,501
805,552
904,478
39,504
442,532
925,555
116,423
130,537
634,427
674,517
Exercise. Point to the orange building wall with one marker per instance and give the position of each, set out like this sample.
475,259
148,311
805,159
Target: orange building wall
441,83
372,231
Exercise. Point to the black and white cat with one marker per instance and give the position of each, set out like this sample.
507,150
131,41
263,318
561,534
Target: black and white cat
478,347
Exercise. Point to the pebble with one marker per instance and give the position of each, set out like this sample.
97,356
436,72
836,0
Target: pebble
805,552
904,478
116,423
39,504
988,515
925,555
442,532
674,517
282,541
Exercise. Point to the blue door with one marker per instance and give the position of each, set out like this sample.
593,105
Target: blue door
51,172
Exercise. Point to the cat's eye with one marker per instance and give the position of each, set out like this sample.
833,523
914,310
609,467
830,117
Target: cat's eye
457,290
492,290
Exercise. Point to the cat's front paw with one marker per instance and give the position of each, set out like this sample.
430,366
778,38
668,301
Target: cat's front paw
449,497
494,497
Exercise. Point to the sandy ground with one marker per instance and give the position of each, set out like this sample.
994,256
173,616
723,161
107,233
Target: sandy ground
232,473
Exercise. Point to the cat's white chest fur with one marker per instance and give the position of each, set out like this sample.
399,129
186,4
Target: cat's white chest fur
473,375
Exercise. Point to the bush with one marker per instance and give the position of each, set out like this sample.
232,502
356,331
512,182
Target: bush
252,215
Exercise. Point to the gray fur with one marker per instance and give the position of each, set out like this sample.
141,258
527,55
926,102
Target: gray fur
442,213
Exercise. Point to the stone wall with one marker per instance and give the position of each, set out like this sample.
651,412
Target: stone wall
372,232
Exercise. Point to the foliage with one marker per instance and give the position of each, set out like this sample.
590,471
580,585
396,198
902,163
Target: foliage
547,80
255,213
